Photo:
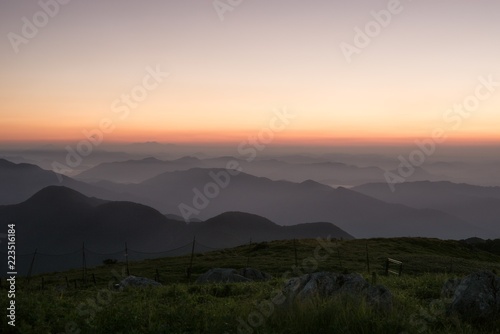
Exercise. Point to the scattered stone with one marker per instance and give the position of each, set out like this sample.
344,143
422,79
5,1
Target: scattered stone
133,281
476,297
379,296
222,275
255,275
449,287
327,285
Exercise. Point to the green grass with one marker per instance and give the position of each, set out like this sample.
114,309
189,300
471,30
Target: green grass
183,307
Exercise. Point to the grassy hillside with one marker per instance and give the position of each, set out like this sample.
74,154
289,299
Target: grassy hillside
182,307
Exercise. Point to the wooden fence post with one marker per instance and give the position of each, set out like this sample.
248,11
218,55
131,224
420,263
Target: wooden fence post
295,250
340,258
191,260
84,265
367,258
31,266
126,259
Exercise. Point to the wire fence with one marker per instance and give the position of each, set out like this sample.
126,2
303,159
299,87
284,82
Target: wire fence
84,266
35,263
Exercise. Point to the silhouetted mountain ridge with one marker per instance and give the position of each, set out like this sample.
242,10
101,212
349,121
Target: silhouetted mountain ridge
58,220
288,203
327,172
18,182
62,196
477,205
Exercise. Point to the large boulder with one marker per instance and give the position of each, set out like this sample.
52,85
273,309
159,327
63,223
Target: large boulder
222,275
254,274
327,285
140,282
476,297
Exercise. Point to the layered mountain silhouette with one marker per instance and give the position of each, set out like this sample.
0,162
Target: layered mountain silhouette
482,173
20,181
475,204
44,157
57,220
195,191
183,193
135,171
236,227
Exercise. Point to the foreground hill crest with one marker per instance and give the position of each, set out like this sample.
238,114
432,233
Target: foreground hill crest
58,220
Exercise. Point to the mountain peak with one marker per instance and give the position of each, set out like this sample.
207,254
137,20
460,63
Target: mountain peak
314,185
187,159
150,160
240,219
4,163
62,196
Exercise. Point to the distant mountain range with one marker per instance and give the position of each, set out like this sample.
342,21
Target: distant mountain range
477,205
47,155
326,172
483,173
283,202
288,203
57,219
18,182
134,171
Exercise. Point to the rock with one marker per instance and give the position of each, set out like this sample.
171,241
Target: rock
133,281
327,285
254,274
379,296
477,297
222,275
449,287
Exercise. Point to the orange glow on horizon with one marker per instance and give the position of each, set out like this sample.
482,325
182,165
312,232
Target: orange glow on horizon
286,138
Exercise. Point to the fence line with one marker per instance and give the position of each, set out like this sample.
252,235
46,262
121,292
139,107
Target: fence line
79,250
38,262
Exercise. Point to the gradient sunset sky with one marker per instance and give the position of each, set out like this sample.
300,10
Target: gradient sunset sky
227,77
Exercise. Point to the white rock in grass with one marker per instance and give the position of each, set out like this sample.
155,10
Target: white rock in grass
327,285
141,282
477,297
222,275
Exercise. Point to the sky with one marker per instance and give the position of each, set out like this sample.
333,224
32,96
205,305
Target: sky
231,67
